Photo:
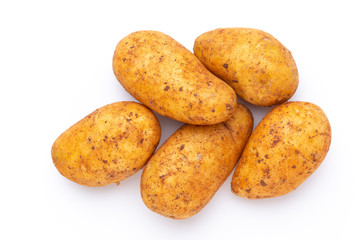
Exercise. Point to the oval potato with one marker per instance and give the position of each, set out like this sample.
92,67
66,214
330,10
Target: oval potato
189,168
108,145
259,68
286,147
169,79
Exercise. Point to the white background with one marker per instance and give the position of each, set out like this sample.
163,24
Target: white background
55,68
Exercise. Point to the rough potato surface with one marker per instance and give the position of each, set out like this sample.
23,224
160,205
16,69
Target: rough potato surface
260,69
188,169
108,145
286,147
169,79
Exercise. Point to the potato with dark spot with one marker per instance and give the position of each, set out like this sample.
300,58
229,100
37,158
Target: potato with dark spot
108,145
189,168
286,147
169,79
260,69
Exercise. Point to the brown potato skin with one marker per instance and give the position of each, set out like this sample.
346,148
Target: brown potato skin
107,146
169,79
189,168
260,69
286,147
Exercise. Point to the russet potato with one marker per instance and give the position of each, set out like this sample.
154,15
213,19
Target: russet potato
286,147
169,79
260,69
189,168
107,146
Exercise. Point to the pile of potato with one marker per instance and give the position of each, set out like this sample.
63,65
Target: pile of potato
180,178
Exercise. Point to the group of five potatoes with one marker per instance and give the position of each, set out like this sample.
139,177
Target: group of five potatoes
200,89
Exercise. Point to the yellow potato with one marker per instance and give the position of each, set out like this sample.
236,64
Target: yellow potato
188,169
108,145
286,147
259,68
169,79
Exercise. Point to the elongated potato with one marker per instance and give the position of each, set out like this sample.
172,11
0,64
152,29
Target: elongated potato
108,145
188,169
259,68
286,147
169,79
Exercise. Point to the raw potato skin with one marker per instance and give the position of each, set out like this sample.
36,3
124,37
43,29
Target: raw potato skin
169,79
259,68
189,168
286,147
108,145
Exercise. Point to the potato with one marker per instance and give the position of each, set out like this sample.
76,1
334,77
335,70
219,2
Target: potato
169,79
286,147
108,145
188,169
259,68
